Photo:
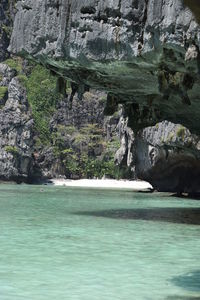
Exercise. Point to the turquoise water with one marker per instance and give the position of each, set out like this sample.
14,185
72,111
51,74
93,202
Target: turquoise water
78,244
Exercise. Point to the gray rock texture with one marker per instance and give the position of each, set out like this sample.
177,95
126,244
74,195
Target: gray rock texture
143,53
125,154
16,130
166,155
82,129
194,6
6,20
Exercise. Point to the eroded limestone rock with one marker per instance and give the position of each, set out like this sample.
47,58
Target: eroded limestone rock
167,155
6,20
145,54
16,130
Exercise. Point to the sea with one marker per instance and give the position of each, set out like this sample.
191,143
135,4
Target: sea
60,243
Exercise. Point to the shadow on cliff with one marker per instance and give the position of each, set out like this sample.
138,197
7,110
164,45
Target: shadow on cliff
173,215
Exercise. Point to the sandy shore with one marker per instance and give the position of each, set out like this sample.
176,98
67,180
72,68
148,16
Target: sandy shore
136,185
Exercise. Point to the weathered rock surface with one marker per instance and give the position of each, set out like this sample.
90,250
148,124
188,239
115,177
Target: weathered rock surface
16,130
81,129
167,155
89,110
6,18
194,6
143,53
125,154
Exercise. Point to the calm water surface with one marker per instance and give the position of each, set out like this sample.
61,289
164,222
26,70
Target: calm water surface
62,243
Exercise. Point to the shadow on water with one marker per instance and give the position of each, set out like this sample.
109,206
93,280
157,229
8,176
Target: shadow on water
182,298
174,215
189,282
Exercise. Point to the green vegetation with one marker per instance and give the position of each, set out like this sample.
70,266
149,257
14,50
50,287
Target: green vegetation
7,30
180,132
3,91
92,130
68,87
88,96
12,149
103,99
83,152
14,63
170,137
42,96
22,79
79,159
82,165
89,155
62,130
41,92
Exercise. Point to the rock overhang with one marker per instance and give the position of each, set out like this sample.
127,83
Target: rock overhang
145,54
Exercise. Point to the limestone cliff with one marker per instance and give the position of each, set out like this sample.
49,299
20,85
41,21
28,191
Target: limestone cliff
143,53
167,155
42,134
16,128
6,21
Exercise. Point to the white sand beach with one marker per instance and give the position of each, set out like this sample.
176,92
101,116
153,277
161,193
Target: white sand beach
135,185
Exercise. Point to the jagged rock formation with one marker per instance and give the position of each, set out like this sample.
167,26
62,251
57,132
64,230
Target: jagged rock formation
16,128
75,142
80,138
6,19
125,155
73,133
143,53
194,6
16,123
166,155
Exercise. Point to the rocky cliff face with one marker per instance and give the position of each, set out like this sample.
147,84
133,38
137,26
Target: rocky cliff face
16,123
6,20
143,53
43,135
167,155
82,141
16,128
194,6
